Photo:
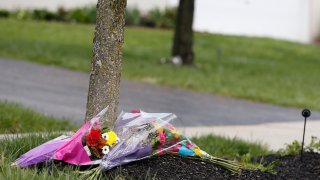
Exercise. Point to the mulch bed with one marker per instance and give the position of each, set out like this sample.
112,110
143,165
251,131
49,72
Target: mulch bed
171,167
291,167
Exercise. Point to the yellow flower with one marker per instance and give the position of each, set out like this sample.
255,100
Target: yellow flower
175,134
196,150
112,138
203,153
199,152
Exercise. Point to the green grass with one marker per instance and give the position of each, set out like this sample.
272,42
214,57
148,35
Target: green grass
11,149
17,119
235,149
229,148
258,69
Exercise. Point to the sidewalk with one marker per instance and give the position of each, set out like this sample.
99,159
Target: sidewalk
274,135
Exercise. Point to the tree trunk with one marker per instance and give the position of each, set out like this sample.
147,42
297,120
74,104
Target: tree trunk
105,72
183,37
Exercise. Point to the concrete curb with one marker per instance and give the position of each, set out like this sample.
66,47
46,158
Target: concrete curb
274,135
20,135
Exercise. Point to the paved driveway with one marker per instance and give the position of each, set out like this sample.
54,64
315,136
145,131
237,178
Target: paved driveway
62,93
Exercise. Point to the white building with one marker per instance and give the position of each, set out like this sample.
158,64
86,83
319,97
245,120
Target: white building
295,20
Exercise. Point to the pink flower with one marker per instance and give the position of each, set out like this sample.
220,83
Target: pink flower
135,111
160,151
162,138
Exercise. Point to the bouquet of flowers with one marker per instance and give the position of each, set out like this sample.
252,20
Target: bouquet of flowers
135,136
98,144
89,144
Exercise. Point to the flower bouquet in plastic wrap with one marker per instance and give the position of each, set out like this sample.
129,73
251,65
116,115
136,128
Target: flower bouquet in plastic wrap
143,135
86,147
89,144
134,136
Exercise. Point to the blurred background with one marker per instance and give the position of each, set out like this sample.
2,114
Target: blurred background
295,20
254,61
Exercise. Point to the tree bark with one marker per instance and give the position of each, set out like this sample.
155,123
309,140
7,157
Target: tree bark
183,36
105,72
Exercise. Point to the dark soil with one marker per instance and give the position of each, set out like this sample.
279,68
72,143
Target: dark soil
171,167
292,167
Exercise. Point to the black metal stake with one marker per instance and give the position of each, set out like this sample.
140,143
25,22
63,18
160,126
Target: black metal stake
305,113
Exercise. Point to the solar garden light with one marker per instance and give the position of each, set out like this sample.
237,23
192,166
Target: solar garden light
305,113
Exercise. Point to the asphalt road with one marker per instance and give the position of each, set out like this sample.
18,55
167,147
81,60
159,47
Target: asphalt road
62,93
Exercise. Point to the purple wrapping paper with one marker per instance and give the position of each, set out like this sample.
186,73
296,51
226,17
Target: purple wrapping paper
133,130
41,153
122,154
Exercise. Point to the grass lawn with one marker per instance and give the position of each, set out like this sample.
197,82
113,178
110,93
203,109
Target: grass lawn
229,148
258,69
17,119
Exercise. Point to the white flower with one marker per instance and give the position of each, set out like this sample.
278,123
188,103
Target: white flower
86,148
117,140
105,136
105,150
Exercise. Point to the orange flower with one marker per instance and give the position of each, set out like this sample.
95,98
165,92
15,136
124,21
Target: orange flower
101,143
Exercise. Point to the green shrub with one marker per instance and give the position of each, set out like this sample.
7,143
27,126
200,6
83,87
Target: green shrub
147,22
37,14
169,18
4,13
133,16
160,19
62,14
21,14
43,14
82,15
154,18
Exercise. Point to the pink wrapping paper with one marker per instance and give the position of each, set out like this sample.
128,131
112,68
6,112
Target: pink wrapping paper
72,151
